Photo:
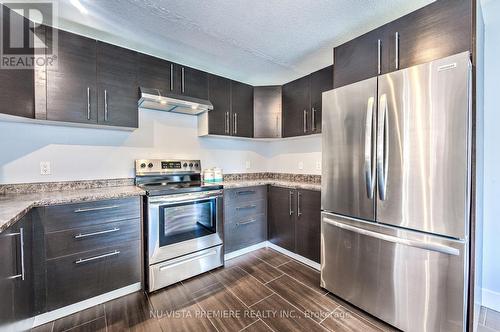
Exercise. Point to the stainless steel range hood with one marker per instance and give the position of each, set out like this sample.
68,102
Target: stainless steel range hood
155,99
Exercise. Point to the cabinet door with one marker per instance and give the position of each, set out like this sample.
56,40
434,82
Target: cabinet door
190,82
16,276
321,80
357,59
438,30
281,217
241,109
296,107
154,73
17,89
117,86
71,86
219,89
308,224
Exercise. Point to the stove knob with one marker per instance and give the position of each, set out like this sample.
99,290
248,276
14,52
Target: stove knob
150,165
190,164
196,165
143,165
185,165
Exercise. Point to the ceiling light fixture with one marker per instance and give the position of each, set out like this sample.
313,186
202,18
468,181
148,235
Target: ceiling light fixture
79,6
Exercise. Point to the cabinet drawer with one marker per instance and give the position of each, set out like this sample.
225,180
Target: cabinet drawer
81,239
243,233
247,194
244,210
61,217
78,277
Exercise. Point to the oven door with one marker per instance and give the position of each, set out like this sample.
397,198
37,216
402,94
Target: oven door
180,224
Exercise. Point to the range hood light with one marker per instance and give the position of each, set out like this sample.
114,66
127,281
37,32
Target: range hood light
154,99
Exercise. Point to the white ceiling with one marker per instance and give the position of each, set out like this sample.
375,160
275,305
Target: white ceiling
255,41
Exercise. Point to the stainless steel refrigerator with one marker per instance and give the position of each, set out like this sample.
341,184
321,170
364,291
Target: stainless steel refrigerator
395,194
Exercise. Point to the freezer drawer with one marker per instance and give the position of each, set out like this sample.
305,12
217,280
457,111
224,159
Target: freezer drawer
413,281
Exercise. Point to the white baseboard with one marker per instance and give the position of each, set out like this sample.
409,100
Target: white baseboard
71,309
293,255
245,250
491,299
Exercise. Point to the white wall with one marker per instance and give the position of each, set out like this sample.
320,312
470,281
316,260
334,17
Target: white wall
84,153
491,233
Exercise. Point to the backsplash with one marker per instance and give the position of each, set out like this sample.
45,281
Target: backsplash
307,178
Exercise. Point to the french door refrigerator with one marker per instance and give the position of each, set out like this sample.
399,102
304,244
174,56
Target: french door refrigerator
395,194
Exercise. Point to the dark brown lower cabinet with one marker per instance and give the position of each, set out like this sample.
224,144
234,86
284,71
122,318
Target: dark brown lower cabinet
16,277
294,220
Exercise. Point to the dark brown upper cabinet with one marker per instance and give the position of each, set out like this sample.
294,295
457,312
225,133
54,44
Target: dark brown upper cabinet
435,31
295,107
71,85
154,73
189,81
17,86
117,85
219,94
241,109
440,29
320,81
301,100
361,58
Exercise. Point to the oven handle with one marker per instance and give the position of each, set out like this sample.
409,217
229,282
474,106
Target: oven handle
189,259
179,198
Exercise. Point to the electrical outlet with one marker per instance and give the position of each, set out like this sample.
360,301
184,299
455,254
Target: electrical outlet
45,168
247,164
318,165
301,165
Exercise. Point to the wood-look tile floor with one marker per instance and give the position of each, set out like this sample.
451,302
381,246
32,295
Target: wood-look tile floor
261,291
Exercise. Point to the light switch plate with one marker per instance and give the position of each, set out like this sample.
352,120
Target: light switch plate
247,164
45,168
318,165
301,165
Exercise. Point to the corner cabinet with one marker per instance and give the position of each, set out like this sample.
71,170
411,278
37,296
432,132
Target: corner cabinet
294,221
440,29
17,307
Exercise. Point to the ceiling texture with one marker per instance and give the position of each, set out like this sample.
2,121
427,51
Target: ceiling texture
260,42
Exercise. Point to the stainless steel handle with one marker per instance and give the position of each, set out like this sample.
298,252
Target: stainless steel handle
313,119
290,202
379,57
97,208
394,239
235,129
226,126
187,260
88,103
171,77
277,126
299,213
369,146
396,37
305,121
382,147
182,80
21,253
184,198
252,206
105,105
246,192
249,221
79,236
90,259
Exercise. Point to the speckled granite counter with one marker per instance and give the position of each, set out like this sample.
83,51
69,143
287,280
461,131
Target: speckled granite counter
13,206
278,183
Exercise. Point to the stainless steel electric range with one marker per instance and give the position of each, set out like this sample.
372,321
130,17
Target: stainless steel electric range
183,221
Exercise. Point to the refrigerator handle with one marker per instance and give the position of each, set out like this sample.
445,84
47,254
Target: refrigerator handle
382,147
369,167
426,245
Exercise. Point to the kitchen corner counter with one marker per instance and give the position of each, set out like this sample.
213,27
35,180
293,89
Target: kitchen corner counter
278,183
14,206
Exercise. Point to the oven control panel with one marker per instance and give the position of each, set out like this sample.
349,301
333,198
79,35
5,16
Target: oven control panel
152,166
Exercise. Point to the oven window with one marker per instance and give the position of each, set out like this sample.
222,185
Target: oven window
186,221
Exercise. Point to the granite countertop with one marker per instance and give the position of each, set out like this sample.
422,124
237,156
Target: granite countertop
14,206
273,182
